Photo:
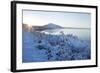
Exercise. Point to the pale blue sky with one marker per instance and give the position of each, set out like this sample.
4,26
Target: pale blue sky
65,19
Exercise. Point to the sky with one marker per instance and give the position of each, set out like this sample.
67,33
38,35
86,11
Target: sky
64,19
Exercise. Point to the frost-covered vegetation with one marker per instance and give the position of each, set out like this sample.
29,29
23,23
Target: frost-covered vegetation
41,47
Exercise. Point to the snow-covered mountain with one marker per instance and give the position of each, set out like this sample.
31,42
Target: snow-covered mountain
52,26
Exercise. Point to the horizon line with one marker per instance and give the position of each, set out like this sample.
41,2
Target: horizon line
66,27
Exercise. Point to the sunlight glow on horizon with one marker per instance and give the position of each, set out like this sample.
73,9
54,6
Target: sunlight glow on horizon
30,21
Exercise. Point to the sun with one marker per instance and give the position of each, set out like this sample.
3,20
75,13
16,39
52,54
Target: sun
30,25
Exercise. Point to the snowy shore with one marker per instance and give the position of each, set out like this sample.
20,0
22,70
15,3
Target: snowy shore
41,47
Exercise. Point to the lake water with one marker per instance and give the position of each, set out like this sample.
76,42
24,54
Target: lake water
84,34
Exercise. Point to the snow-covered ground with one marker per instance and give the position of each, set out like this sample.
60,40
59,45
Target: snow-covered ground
41,47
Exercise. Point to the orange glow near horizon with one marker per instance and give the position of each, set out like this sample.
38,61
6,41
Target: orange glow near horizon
35,21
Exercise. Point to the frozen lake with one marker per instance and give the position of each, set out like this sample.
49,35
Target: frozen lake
84,34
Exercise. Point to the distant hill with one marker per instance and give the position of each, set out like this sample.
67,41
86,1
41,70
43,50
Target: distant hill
47,26
51,26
